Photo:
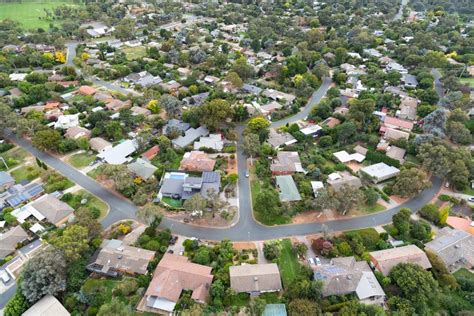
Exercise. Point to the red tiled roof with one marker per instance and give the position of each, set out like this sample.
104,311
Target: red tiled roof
151,153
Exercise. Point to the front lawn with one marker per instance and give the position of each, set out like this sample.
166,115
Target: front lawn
372,208
172,202
81,160
28,172
288,263
93,203
12,158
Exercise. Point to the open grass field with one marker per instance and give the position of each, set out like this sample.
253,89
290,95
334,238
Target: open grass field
29,12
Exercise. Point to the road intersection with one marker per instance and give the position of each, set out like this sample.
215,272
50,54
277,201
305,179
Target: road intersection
246,228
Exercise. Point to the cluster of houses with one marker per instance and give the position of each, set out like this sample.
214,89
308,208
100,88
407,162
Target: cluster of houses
34,212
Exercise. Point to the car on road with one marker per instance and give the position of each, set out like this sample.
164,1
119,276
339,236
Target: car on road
247,174
471,199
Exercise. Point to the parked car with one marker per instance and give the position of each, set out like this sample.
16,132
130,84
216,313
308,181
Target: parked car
247,174
170,251
470,199
311,261
318,261
173,240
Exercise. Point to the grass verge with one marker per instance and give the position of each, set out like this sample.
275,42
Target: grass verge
288,263
81,160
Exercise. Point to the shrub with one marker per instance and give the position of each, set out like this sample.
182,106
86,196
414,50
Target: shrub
444,198
376,156
430,212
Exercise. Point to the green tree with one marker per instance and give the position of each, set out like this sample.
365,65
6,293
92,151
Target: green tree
151,214
416,284
73,242
44,274
243,69
299,307
410,182
401,221
215,113
251,144
234,79
195,203
271,250
17,305
48,139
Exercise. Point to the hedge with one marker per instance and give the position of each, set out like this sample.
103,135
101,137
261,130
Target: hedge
376,156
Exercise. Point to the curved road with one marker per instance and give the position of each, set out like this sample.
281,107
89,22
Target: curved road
246,228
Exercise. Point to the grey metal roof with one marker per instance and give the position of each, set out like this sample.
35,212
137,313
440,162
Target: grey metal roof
5,178
172,186
190,136
211,176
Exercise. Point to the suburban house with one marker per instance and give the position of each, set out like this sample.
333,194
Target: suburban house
197,161
142,168
19,193
345,275
344,157
408,108
86,90
454,247
379,172
279,96
286,163
143,78
99,144
172,276
67,121
190,136
338,180
396,153
54,210
287,188
255,279
386,260
279,139
47,306
6,181
120,153
114,258
311,130
10,240
175,125
76,132
151,153
180,185
213,141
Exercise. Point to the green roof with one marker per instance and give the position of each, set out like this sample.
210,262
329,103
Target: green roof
275,310
288,190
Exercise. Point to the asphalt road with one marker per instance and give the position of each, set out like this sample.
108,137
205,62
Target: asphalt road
246,228
438,85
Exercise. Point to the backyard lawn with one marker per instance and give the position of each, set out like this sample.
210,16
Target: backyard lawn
26,172
81,160
29,12
288,263
134,52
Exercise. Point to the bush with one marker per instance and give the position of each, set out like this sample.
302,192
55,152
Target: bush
444,198
430,213
271,250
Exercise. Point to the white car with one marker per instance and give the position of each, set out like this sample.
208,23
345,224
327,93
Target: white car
318,261
311,261
470,199
247,174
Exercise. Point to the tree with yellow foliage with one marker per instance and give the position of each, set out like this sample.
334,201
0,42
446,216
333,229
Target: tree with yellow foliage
85,56
154,107
60,57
